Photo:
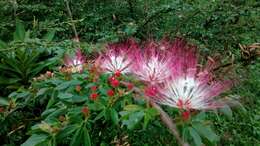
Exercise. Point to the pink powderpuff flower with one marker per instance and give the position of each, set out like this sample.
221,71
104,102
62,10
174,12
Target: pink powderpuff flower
154,63
118,58
190,93
76,63
190,87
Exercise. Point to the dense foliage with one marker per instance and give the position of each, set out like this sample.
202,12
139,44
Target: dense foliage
39,108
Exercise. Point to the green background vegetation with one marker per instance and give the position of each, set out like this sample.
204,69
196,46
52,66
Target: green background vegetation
34,35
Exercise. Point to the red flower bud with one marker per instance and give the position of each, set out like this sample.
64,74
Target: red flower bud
130,86
85,111
111,79
2,109
186,115
150,91
114,83
94,88
117,73
78,88
110,93
93,96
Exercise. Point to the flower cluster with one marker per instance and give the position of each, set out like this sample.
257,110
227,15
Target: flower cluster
119,58
170,71
76,63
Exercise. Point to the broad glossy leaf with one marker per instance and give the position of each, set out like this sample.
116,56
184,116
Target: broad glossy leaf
67,84
206,132
150,114
96,106
54,115
196,137
66,131
132,119
3,45
50,35
42,91
77,138
133,107
100,115
65,96
19,33
3,101
114,116
86,138
35,139
227,112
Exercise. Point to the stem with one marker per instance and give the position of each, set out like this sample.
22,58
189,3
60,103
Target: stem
166,119
169,123
16,129
71,18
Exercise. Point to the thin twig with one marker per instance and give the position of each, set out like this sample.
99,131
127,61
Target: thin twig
71,18
156,14
184,21
16,129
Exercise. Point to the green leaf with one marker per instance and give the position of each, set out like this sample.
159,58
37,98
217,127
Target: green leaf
86,137
150,114
114,116
227,112
4,102
50,35
65,96
196,137
131,120
107,114
19,33
206,132
54,115
100,115
27,35
96,106
52,99
35,139
41,91
76,139
199,117
3,45
67,84
66,132
133,107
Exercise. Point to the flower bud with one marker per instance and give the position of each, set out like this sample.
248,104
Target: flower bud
150,91
117,73
2,109
186,115
93,96
85,111
94,88
114,83
130,86
78,88
110,93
